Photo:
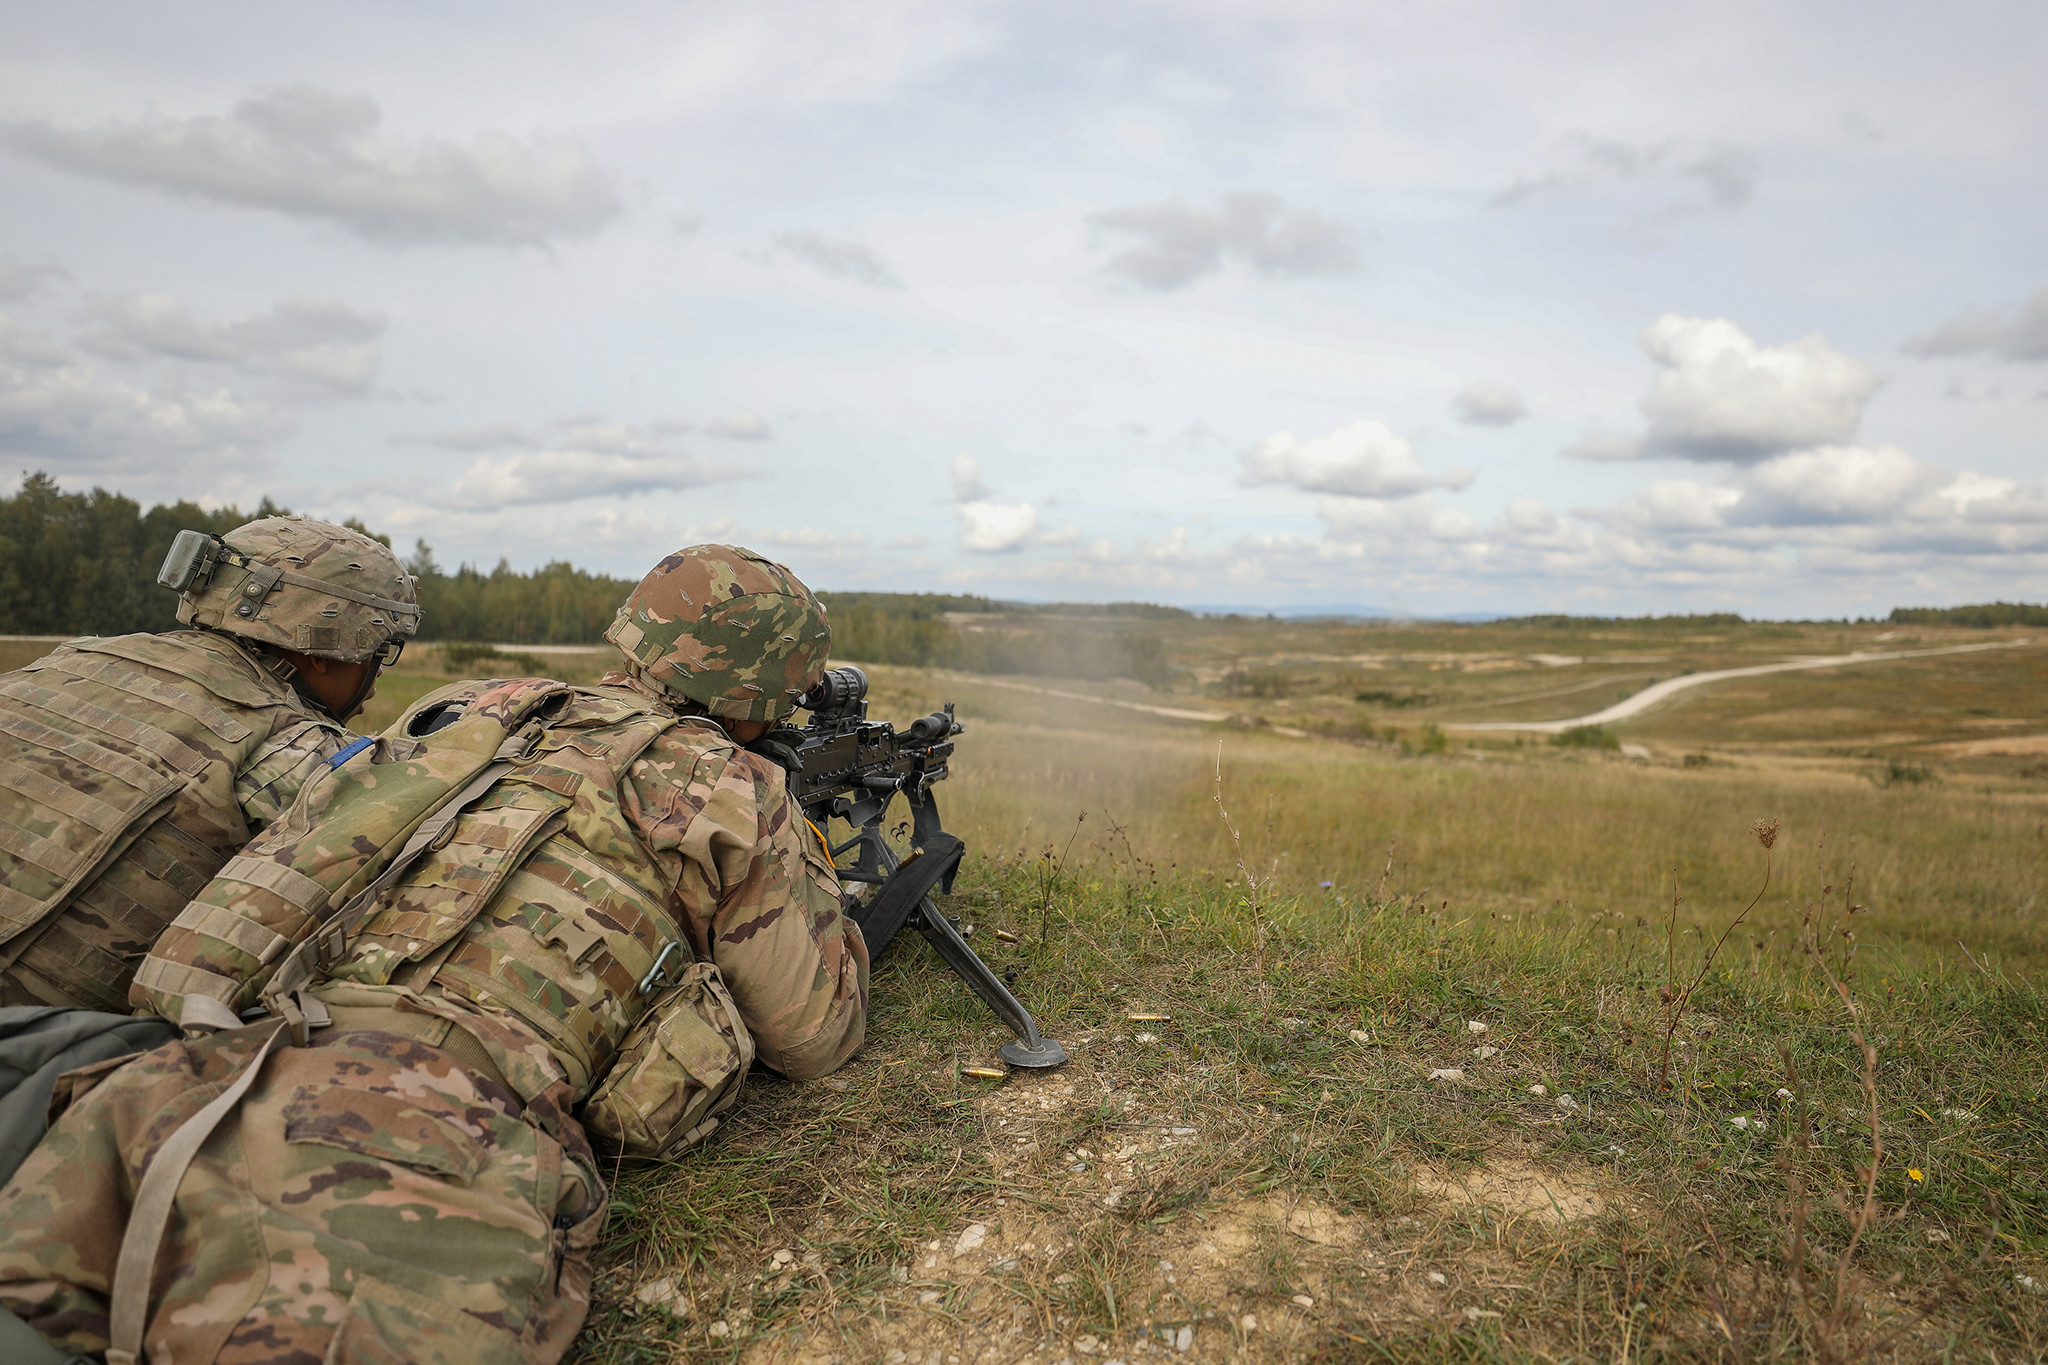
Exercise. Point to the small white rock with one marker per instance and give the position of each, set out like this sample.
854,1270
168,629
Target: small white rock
1087,1346
1250,1322
663,1294
1567,1102
894,1358
1359,1035
721,1328
971,1239
784,1256
1184,1339
1304,1300
1539,1090
930,1296
1785,1094
1474,1026
1148,1038
1482,1053
1448,1073
1438,1277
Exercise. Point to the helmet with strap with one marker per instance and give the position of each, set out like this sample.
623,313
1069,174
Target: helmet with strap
298,584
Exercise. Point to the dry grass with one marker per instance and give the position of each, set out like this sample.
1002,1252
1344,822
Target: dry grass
1280,1138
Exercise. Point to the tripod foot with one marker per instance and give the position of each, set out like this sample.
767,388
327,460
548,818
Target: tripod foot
1046,1053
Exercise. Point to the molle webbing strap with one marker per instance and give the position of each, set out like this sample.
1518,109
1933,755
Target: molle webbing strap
135,1271
98,757
329,941
142,735
287,883
50,794
127,677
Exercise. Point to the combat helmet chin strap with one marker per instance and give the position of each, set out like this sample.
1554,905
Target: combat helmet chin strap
290,674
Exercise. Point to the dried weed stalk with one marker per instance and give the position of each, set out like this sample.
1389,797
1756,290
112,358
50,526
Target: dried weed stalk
1253,886
1675,1000
1830,1326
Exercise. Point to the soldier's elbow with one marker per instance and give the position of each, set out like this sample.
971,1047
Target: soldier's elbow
823,1053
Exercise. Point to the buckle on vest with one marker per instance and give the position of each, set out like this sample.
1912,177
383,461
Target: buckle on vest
657,975
330,943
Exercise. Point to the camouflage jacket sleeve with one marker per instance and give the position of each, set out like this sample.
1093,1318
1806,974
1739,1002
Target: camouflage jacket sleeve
757,897
270,781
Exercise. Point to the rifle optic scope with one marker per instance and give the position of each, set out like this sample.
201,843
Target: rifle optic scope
841,689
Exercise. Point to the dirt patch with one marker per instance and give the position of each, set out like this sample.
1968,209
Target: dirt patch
1518,1189
1258,1274
2021,745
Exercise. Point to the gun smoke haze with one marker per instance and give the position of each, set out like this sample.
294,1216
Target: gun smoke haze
1092,304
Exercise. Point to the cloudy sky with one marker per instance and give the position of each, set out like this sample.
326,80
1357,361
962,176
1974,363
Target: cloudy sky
1441,307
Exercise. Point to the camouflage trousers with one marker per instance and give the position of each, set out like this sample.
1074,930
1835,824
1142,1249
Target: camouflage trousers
372,1199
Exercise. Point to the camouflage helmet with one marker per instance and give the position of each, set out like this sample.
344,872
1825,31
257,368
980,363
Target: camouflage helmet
726,628
305,585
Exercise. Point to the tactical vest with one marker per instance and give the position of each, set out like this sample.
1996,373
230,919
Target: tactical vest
542,903
118,760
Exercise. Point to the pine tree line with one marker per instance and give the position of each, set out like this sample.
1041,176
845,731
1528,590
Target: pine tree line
86,564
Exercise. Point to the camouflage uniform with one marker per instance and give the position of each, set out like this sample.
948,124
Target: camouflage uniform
132,768
620,922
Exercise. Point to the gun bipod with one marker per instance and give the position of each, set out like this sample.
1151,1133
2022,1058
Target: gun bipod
904,899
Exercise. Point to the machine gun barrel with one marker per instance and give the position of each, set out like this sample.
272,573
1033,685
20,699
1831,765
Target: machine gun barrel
843,765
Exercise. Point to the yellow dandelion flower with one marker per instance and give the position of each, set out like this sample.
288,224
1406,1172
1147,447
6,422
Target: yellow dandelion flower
1914,1171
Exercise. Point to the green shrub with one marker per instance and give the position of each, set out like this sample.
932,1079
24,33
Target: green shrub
1587,737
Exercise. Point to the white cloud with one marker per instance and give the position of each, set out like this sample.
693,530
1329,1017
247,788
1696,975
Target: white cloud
1357,519
1720,178
988,528
313,340
1483,403
314,153
24,279
842,260
1971,488
1531,516
743,426
69,418
968,485
2020,335
1362,460
1720,396
1179,243
808,538
1834,484
583,457
1606,447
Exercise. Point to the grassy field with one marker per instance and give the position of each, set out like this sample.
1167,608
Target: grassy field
1285,1167
1443,1073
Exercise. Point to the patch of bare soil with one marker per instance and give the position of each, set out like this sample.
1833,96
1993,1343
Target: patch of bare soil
2022,745
1111,1248
1517,1189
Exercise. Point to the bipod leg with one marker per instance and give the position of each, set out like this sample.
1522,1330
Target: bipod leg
905,899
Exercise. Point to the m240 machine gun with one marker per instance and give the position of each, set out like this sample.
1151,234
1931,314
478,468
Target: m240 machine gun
846,766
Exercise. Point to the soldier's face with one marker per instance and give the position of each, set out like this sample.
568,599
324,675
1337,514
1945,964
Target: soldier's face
337,683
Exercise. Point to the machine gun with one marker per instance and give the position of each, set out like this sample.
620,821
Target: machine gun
844,765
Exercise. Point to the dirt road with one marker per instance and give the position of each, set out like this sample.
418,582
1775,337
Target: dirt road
1656,692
